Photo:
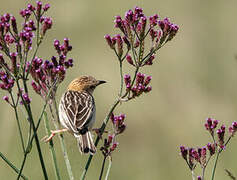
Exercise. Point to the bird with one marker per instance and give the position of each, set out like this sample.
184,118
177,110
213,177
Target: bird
77,112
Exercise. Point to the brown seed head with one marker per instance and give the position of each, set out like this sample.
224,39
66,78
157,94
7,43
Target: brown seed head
84,83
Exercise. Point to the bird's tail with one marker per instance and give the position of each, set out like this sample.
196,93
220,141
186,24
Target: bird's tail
85,143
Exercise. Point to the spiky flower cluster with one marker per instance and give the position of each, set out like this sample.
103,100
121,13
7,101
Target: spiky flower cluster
118,128
199,155
49,73
211,125
109,145
193,156
135,29
141,85
16,42
118,123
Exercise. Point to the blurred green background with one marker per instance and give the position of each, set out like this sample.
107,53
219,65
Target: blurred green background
194,77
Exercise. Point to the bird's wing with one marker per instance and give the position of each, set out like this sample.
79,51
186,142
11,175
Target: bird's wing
78,107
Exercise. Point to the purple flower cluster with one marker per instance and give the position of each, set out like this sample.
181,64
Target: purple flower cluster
47,73
211,124
221,134
118,122
6,82
141,85
199,155
109,145
233,128
135,24
118,127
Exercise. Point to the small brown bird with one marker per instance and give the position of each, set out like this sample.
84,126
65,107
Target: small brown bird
77,111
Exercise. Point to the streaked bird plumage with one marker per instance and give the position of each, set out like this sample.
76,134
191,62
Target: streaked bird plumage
77,111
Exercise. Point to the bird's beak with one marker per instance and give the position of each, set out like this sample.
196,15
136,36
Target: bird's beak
101,82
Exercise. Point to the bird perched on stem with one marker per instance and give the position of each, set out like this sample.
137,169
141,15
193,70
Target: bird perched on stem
77,112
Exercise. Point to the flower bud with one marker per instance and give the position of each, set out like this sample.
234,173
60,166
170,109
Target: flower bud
6,98
26,98
38,8
129,59
114,146
14,25
119,45
46,7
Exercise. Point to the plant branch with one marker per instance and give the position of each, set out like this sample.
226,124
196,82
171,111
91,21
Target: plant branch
109,167
18,122
29,112
102,168
12,166
51,146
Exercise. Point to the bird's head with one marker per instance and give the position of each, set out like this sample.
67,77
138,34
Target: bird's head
85,83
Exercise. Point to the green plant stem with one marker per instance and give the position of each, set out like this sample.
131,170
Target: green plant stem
203,172
102,168
193,175
18,122
217,156
12,166
109,167
102,128
214,167
121,78
61,138
22,166
29,112
51,146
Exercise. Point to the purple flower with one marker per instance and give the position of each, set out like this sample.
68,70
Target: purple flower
26,98
119,23
118,122
46,7
119,42
109,41
14,25
127,79
184,152
129,59
38,8
30,7
199,178
125,39
220,134
233,128
211,124
153,20
211,148
6,98
150,60
114,146
47,24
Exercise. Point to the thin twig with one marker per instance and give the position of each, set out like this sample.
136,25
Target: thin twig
102,168
109,167
12,166
18,122
51,146
29,112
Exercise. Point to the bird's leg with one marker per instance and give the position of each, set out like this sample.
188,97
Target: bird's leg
98,131
53,133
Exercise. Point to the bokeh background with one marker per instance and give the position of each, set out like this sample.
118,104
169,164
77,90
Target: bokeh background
194,77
